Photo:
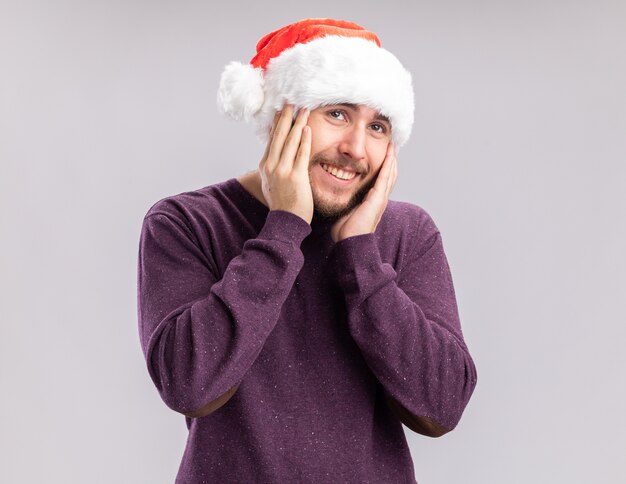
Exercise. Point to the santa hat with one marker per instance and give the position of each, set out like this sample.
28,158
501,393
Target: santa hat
317,62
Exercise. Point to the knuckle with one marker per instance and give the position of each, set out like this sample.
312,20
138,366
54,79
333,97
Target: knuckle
266,170
281,172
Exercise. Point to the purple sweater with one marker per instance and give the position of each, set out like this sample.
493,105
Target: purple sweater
315,334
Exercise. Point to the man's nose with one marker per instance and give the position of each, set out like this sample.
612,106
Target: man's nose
353,143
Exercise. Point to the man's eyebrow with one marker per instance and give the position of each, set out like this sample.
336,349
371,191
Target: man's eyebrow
380,117
384,118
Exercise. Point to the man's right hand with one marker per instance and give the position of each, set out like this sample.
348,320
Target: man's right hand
284,167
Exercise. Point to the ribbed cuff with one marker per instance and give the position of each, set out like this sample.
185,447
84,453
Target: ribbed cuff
284,226
358,267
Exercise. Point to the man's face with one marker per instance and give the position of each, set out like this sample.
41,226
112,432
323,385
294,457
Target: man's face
350,141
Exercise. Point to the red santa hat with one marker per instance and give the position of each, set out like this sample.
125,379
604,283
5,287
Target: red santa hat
317,62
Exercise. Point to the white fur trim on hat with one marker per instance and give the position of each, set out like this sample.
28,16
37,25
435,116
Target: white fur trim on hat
327,70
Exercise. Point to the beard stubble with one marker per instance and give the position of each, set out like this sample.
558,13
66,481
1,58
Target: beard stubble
328,212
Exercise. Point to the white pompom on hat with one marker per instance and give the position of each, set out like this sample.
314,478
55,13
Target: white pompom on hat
317,62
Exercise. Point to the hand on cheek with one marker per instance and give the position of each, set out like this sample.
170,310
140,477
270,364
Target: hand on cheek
284,168
364,218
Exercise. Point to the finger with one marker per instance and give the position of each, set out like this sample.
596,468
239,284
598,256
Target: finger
292,143
304,151
393,172
269,138
387,177
392,178
283,126
382,181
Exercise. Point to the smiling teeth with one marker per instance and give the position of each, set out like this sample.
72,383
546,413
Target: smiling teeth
344,175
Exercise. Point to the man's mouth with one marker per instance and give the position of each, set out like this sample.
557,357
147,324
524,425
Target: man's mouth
340,173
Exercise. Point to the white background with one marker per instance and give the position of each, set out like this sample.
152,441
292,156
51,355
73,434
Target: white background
517,152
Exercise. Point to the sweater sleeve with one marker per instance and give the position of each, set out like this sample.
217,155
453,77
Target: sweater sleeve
407,326
200,333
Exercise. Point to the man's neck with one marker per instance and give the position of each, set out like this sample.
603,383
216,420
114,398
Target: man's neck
252,183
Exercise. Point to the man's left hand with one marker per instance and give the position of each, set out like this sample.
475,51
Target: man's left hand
364,218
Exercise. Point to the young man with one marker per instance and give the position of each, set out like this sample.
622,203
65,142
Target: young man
295,315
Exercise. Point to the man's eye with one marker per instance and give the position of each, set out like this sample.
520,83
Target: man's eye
336,114
379,128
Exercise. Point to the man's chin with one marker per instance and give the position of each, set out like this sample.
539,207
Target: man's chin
324,211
